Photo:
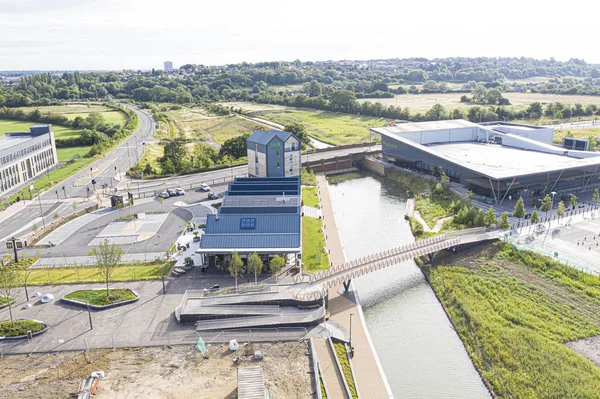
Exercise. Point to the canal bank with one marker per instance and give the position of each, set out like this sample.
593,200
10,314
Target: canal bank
370,378
419,351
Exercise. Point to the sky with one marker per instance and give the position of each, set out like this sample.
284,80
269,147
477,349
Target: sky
142,34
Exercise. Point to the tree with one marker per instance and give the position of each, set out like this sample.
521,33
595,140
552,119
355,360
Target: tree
596,195
560,209
519,210
436,113
236,147
175,157
299,130
546,205
160,201
276,264
255,265
236,267
490,217
8,284
107,257
342,99
504,223
314,89
535,218
573,201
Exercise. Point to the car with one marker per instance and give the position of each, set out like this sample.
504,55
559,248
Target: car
212,196
204,187
172,193
163,194
180,191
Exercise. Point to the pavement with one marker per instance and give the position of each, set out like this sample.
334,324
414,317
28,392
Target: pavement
329,370
149,321
368,372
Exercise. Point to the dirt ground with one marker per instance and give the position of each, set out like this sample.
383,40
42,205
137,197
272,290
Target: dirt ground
165,372
588,347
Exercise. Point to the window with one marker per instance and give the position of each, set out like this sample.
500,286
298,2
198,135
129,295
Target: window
278,153
278,164
293,146
248,223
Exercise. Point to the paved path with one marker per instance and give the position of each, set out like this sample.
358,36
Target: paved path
438,225
65,261
314,213
329,371
369,375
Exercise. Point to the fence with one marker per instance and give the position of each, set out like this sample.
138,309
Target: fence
566,261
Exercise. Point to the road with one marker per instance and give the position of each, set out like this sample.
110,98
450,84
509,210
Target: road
104,170
157,185
577,125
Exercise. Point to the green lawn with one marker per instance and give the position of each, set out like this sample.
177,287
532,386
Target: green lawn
100,297
60,132
310,197
4,300
432,210
72,275
329,127
313,242
68,153
20,328
111,116
515,311
340,351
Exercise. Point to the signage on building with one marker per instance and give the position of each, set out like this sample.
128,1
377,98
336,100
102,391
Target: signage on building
275,144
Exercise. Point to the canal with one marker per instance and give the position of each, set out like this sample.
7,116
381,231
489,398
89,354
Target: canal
421,354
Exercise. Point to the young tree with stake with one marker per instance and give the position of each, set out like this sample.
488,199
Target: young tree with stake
107,257
8,284
560,209
255,265
236,267
519,211
276,264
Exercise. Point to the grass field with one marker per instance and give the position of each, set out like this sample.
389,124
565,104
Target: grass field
112,116
313,242
66,154
310,197
72,275
100,298
20,327
514,312
581,133
329,127
423,102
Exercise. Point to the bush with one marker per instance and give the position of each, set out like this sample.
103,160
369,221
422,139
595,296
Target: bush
416,227
20,328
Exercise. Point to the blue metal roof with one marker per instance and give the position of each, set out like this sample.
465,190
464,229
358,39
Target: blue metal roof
265,223
260,137
254,241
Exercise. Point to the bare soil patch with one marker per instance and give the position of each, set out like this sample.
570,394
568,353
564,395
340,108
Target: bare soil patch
165,372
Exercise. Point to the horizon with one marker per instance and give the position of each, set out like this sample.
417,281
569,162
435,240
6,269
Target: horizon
70,35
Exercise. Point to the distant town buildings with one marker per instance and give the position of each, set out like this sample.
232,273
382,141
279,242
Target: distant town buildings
273,154
26,155
168,66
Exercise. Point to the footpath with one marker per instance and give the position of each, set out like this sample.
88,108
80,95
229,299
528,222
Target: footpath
370,379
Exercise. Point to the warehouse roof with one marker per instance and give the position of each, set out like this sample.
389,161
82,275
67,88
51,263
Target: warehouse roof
400,128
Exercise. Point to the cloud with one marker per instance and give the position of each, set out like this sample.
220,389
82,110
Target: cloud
37,6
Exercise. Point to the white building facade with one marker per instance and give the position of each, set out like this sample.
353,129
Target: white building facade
25,156
168,66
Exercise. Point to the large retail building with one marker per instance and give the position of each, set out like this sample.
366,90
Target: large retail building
26,155
495,159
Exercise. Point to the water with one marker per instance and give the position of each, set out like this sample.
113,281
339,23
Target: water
421,355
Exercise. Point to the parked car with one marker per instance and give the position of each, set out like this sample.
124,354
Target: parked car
163,194
172,193
204,187
212,196
180,191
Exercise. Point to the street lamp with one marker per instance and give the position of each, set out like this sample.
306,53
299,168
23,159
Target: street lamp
41,211
351,347
553,194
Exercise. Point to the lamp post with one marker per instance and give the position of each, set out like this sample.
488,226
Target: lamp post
14,245
553,193
351,347
41,211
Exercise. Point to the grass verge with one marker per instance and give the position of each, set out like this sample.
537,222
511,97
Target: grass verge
514,312
313,242
310,197
90,274
340,351
101,298
20,327
4,300
335,179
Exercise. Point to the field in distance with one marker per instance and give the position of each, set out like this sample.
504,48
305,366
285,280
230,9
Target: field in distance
423,102
71,111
